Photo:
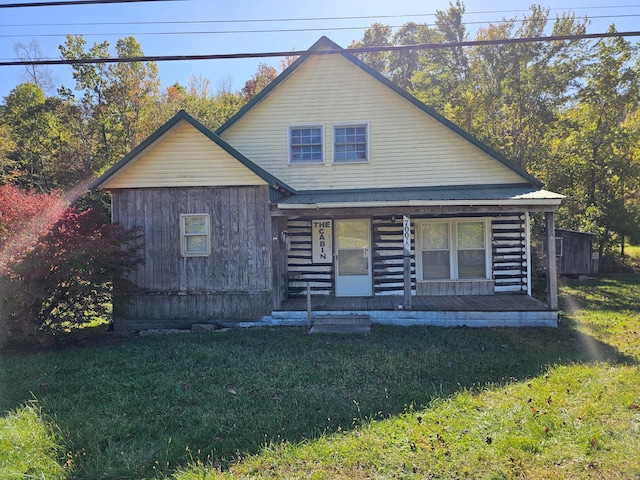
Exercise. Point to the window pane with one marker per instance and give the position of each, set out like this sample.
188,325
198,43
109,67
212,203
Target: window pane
195,225
350,144
350,152
196,244
306,145
471,235
435,265
471,264
435,236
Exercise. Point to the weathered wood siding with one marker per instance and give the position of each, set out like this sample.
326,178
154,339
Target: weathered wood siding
181,158
408,148
575,257
235,282
509,260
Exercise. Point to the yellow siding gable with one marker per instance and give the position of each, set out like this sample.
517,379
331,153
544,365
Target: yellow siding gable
408,148
183,157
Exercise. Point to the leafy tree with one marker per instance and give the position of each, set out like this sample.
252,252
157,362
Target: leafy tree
41,147
212,109
118,99
595,155
377,35
263,77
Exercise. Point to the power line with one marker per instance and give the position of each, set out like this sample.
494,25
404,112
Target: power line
76,2
393,48
310,19
231,32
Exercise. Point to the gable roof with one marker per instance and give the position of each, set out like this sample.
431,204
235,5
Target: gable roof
183,116
325,44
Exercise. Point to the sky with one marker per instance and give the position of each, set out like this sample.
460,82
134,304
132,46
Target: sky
191,27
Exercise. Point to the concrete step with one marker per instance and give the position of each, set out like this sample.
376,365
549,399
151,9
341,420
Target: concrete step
340,324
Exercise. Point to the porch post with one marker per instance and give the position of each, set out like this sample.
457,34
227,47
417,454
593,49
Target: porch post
406,240
552,271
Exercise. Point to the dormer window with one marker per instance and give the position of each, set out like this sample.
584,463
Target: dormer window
350,143
305,144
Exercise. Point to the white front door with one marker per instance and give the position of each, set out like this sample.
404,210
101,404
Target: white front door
353,258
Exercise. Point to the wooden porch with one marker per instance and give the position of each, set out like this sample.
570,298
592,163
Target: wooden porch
442,311
450,303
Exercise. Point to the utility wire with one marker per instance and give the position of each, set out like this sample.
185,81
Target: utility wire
231,32
310,19
76,2
293,53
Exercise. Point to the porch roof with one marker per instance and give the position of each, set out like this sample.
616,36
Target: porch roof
459,195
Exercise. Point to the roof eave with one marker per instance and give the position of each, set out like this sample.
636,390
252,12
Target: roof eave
538,202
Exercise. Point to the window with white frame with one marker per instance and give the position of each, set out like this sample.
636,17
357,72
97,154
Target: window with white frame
453,250
195,235
350,143
305,144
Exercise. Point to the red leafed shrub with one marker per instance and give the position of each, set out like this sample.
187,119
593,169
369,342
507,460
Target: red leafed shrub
66,277
24,217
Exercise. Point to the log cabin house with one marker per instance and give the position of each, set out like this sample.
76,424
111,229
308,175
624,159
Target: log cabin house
335,182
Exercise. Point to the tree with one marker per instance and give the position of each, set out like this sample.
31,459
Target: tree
40,75
41,147
263,77
118,99
211,109
595,155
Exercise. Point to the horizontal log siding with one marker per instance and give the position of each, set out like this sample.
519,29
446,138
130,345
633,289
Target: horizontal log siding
388,256
408,148
509,262
233,283
184,157
300,269
509,253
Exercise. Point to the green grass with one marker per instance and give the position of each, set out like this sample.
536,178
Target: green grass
29,447
405,402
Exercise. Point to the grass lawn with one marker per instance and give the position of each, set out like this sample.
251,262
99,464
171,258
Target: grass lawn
401,402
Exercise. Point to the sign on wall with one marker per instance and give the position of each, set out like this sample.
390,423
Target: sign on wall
406,234
322,241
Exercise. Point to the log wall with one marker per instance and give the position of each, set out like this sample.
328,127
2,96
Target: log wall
509,258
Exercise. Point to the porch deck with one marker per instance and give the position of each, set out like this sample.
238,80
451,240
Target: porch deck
444,311
449,303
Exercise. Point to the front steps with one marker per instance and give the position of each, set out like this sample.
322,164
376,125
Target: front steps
341,324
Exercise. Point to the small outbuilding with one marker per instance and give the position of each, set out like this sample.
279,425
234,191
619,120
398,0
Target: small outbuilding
575,254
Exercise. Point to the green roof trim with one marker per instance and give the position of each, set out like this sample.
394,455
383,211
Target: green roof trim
164,129
327,43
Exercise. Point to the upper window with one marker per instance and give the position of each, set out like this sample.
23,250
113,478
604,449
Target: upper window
305,144
195,235
350,143
454,250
